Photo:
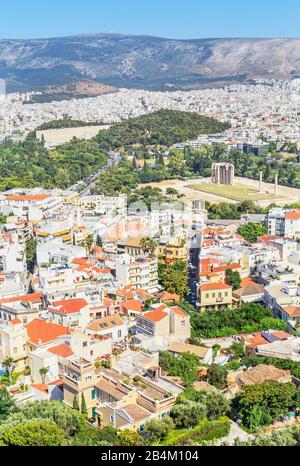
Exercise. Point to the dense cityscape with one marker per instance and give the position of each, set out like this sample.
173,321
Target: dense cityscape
267,109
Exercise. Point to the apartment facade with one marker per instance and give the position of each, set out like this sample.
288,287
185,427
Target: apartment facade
214,296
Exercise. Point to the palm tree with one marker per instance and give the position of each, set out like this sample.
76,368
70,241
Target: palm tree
89,241
8,364
148,245
43,372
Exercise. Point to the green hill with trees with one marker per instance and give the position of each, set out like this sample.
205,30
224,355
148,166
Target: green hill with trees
164,128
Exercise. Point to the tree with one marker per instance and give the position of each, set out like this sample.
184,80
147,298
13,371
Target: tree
251,231
148,245
83,409
89,241
174,277
31,254
37,432
184,366
247,318
238,350
9,366
157,430
217,376
7,405
187,414
130,438
233,278
259,405
99,241
43,372
75,403
215,404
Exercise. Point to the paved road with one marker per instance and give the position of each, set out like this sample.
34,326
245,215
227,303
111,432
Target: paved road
235,433
114,159
194,253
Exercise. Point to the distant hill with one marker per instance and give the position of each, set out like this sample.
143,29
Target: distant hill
145,62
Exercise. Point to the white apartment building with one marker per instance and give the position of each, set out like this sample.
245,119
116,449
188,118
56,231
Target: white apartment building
140,273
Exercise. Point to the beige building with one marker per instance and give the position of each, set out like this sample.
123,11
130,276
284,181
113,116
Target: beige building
214,296
173,250
166,324
13,343
79,380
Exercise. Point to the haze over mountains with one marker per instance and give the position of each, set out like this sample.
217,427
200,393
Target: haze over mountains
145,62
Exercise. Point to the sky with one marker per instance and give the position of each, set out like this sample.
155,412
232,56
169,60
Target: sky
178,19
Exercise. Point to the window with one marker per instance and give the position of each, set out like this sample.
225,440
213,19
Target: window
214,295
183,323
84,344
111,419
226,293
88,378
207,295
93,394
119,333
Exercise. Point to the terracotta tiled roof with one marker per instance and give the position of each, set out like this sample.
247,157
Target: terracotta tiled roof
178,311
249,290
292,310
15,321
27,298
247,281
106,323
166,296
214,286
261,373
70,306
226,266
62,350
39,331
33,197
132,305
42,387
292,215
155,316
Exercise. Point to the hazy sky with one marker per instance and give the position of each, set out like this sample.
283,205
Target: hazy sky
166,18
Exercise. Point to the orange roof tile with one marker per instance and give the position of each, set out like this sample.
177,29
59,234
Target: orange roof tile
132,305
155,316
292,310
32,197
15,321
292,215
178,311
70,306
214,286
39,331
226,266
106,323
27,298
42,387
62,350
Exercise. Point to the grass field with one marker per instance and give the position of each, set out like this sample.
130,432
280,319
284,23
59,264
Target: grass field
237,192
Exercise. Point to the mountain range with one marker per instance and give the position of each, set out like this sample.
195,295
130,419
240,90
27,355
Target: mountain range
145,62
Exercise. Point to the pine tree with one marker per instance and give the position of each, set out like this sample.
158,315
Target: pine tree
75,403
99,241
83,405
